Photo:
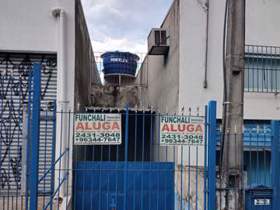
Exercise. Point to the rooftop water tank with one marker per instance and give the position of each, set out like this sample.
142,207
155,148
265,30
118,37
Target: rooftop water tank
119,66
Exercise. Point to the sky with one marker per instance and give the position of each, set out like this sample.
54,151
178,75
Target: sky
123,25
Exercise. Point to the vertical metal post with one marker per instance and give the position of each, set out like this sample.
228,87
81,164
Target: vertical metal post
143,159
205,158
181,175
35,136
189,177
28,147
24,152
275,155
126,157
53,155
212,141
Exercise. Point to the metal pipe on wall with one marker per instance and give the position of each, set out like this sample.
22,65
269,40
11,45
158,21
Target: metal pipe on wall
205,82
62,103
61,59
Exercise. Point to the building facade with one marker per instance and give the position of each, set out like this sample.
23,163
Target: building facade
191,74
55,35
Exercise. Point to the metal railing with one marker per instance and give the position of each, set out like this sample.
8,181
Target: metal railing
262,69
256,170
139,173
142,172
15,94
38,166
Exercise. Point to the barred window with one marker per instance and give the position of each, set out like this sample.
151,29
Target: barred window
262,70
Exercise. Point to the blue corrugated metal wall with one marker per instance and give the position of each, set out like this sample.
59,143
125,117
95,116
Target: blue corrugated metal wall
257,139
100,185
257,133
258,167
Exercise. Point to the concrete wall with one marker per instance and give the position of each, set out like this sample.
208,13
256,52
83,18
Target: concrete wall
178,81
159,76
86,72
115,96
192,54
29,26
261,29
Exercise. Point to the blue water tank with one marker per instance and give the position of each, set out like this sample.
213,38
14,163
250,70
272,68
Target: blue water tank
119,64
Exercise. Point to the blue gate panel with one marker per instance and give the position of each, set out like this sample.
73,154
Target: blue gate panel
258,167
100,185
259,198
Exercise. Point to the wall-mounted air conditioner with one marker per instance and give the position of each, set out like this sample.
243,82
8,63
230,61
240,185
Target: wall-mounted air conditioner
158,42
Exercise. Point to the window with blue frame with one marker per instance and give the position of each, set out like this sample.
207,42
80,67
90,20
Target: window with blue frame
257,165
257,137
257,133
262,69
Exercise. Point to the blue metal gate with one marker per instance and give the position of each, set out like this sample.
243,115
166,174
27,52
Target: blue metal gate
104,185
48,167
23,195
143,174
47,170
31,127
259,198
261,172
275,164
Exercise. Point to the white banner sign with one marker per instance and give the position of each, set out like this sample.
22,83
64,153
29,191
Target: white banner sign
181,130
97,129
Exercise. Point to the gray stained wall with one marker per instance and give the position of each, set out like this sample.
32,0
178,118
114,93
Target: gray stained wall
159,75
86,72
115,96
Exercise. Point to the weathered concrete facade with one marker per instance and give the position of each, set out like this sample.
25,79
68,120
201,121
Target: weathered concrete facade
115,96
159,75
86,73
192,72
195,30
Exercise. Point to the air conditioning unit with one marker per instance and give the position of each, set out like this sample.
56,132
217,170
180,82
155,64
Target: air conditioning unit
158,42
